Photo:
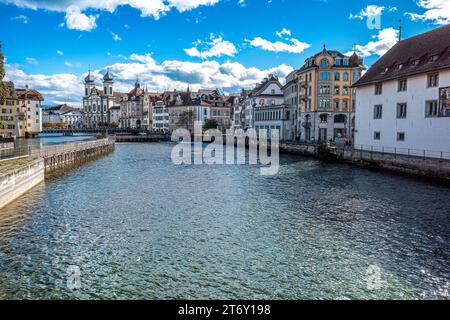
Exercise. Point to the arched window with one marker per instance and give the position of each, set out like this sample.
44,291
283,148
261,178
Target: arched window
337,76
325,76
324,63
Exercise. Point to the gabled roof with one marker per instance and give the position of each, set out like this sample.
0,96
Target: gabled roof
61,107
29,94
424,53
259,89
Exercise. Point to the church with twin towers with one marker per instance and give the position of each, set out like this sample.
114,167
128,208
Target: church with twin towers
98,104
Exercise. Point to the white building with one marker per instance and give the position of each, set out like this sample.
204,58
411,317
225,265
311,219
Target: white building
96,103
73,118
403,101
274,118
160,117
114,115
267,93
31,100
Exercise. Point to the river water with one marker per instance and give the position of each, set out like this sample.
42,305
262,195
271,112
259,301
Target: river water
133,225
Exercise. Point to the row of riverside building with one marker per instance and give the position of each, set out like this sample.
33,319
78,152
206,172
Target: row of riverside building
401,103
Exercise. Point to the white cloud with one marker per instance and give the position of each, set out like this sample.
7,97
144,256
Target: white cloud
59,52
293,45
31,61
371,11
436,11
68,64
383,41
76,20
217,47
148,8
116,37
168,75
242,3
284,32
24,19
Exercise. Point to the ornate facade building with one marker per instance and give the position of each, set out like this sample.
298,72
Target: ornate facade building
97,103
326,98
136,108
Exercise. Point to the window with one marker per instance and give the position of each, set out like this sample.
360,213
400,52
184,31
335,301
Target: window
378,89
400,136
377,135
401,111
345,105
431,109
325,103
324,63
345,76
337,76
346,90
337,90
378,112
402,85
272,91
336,104
345,61
325,90
323,118
325,76
433,80
356,76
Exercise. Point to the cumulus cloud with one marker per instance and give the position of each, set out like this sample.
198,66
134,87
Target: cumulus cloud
292,45
167,75
217,47
436,11
76,20
383,41
148,8
59,52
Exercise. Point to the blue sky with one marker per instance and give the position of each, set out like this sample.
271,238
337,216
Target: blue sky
231,44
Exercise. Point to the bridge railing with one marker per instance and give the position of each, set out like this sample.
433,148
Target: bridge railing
70,147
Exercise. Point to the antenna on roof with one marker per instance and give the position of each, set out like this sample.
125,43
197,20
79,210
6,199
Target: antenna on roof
400,29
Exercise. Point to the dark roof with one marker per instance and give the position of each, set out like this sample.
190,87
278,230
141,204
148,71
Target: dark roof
61,107
426,52
29,94
354,60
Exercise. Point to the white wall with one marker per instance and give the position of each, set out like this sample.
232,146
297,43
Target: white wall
432,134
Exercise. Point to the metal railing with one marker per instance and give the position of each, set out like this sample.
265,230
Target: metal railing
70,147
421,153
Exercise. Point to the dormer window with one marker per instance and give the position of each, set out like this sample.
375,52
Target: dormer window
345,61
337,61
324,63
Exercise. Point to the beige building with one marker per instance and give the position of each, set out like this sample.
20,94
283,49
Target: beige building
20,112
326,100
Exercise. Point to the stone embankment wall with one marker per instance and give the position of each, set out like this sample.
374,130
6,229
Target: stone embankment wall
15,182
73,153
435,168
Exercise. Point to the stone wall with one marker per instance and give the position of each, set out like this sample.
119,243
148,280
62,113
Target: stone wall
421,166
15,183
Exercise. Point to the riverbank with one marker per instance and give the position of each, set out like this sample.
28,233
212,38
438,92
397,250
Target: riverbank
17,176
432,168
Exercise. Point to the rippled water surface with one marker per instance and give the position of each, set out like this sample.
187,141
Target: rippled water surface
138,226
